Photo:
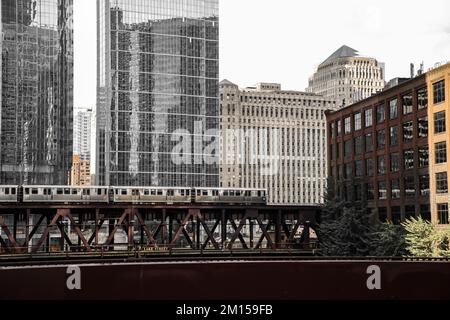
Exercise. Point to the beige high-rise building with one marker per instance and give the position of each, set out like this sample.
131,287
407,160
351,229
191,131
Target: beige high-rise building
348,77
275,140
81,172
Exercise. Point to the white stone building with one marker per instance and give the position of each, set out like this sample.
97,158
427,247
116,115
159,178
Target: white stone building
274,140
348,77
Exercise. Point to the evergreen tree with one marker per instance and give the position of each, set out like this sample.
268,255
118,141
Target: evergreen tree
348,228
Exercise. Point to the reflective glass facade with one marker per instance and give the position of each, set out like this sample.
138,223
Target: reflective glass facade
158,87
36,91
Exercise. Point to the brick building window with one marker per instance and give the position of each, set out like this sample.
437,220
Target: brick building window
409,159
382,190
395,162
381,168
442,211
369,142
358,121
380,113
410,190
395,189
441,152
423,156
407,102
381,139
347,125
439,122
393,109
439,92
368,118
408,129
441,183
358,145
422,125
424,185
422,98
393,136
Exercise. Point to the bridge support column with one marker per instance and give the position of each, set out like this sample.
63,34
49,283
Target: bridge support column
278,229
164,227
223,228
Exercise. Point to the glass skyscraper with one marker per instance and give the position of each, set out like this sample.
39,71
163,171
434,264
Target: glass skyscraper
158,106
36,91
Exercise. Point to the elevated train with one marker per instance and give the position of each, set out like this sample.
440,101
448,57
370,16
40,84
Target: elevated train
135,195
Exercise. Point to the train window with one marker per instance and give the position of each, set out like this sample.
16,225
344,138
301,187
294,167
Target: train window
238,193
99,192
27,191
199,193
124,192
67,191
86,192
160,193
74,192
13,191
226,193
34,191
146,192
153,192
205,193
232,193
7,191
59,191
181,193
188,192
216,193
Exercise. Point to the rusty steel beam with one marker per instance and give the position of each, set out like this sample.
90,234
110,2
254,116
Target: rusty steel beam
67,214
205,221
210,233
265,234
116,227
237,235
150,235
10,237
182,226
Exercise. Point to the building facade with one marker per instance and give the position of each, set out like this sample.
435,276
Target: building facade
158,105
36,139
438,84
275,140
391,148
348,77
82,134
81,172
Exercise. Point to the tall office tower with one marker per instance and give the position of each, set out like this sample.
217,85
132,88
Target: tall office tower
82,134
158,106
275,140
348,77
36,91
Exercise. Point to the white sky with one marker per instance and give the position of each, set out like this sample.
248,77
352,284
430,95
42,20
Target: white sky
282,41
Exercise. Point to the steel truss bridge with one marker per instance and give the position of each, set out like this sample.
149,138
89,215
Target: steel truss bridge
95,228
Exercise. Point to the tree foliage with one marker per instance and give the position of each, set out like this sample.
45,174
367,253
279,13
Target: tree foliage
425,240
349,228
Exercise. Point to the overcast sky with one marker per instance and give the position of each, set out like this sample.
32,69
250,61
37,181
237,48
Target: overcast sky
283,41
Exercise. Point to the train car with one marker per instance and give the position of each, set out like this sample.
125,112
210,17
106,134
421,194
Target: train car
230,196
149,195
9,193
65,194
